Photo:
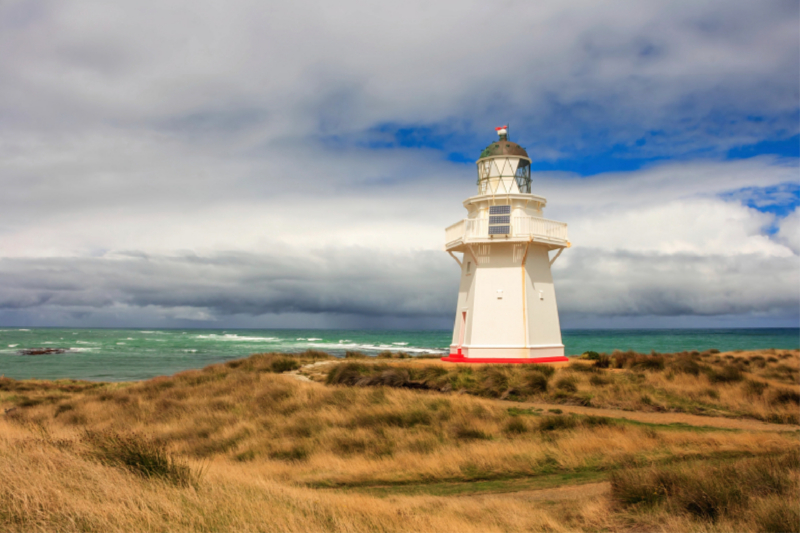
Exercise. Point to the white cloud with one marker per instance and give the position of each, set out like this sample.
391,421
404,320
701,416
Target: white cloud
206,161
789,231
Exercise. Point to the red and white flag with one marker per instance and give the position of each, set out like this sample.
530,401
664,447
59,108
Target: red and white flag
502,130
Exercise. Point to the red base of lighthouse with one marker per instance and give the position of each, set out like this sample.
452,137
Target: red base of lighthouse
455,358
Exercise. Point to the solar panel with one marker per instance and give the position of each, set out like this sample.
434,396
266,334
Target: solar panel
500,210
499,230
506,219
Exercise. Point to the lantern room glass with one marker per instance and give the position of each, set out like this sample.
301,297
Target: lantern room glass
504,175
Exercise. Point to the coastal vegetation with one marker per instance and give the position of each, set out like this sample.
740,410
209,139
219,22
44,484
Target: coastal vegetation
623,441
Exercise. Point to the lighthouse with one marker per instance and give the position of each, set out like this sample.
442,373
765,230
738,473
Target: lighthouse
506,311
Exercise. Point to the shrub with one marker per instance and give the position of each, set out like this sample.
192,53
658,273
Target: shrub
603,361
567,384
293,453
754,388
315,354
784,396
707,491
727,374
346,374
552,423
653,362
349,354
536,382
685,365
283,364
599,380
545,370
516,426
464,432
586,369
141,455
591,355
495,380
778,515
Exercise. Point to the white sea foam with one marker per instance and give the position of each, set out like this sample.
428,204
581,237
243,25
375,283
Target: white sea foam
400,343
82,349
23,330
190,351
120,343
129,339
301,339
236,338
313,339
13,345
371,347
86,342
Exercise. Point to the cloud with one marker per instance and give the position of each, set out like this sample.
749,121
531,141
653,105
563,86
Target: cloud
237,165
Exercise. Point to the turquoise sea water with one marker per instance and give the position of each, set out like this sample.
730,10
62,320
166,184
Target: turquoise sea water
133,354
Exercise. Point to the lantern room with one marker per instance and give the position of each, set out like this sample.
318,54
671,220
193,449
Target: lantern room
504,167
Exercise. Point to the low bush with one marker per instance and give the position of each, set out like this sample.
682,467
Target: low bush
604,361
591,355
545,370
726,374
685,365
315,354
283,364
586,369
465,432
706,491
556,422
536,382
141,455
516,426
754,388
599,380
292,453
567,384
785,396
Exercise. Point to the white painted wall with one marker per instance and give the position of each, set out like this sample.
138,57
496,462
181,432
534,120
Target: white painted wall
511,308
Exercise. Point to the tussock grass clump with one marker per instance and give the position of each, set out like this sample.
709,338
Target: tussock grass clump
146,457
754,388
726,374
388,354
710,492
283,364
567,384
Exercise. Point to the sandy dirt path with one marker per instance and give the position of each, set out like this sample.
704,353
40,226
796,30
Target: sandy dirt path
662,418
566,492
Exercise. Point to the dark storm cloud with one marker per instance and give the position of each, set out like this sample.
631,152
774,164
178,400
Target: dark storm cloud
422,284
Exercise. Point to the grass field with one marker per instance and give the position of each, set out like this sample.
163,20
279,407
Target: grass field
312,443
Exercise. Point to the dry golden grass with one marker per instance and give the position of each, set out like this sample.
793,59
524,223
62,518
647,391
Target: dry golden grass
761,385
267,452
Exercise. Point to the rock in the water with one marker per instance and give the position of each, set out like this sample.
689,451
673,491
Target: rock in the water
42,351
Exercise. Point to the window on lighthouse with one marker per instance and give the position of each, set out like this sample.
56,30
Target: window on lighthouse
504,175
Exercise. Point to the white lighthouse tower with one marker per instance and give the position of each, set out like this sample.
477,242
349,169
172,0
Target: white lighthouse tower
506,301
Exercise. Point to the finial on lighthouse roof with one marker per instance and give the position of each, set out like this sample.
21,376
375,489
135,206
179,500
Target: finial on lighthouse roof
502,131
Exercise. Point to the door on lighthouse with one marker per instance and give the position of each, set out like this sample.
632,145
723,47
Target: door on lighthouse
461,331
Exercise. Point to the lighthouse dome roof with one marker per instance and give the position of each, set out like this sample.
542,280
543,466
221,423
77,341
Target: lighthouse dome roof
504,147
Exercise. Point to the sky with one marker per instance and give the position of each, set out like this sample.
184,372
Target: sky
273,165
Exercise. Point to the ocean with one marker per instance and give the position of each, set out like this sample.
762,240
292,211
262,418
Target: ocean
135,354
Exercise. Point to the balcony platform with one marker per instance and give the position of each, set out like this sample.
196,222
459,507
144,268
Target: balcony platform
549,233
